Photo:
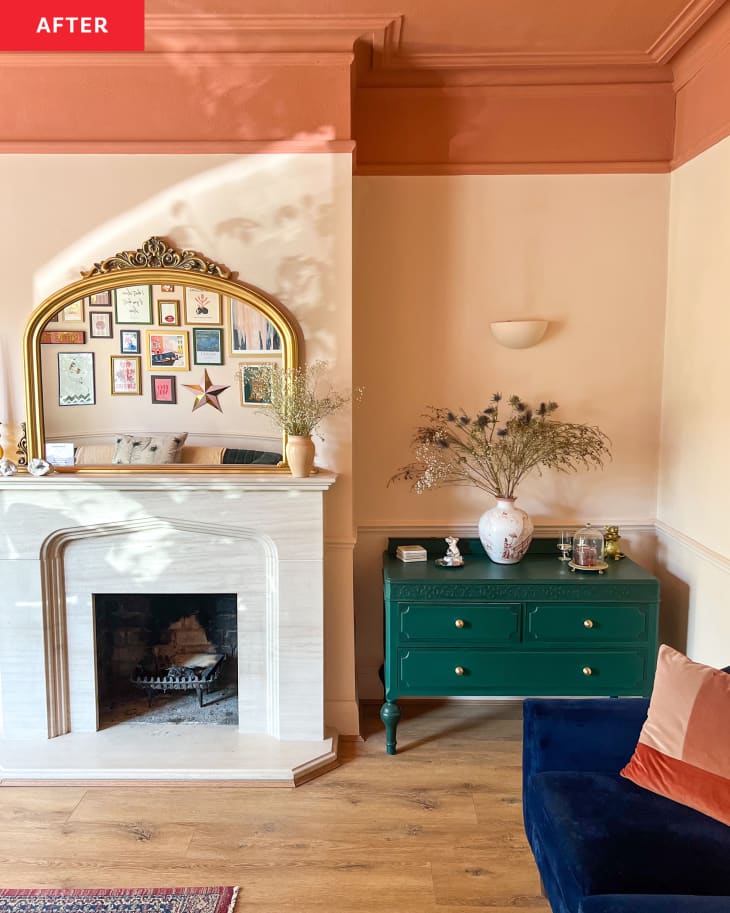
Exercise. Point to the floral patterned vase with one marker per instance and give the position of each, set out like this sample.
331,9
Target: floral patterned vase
505,532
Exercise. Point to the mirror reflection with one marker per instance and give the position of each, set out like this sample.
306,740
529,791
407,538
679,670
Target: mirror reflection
156,371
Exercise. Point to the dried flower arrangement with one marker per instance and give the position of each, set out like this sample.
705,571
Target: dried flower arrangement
495,455
298,399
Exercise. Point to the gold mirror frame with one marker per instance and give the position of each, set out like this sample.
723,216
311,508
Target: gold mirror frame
156,262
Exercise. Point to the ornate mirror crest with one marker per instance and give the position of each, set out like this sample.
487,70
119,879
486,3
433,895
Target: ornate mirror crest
178,312
157,254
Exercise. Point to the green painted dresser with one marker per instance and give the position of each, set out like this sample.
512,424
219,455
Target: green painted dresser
526,629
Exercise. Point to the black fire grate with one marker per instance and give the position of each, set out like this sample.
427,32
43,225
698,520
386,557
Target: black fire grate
188,672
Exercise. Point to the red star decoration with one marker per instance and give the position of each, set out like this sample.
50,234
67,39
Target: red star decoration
207,392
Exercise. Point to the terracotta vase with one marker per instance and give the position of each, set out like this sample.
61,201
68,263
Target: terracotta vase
505,532
300,455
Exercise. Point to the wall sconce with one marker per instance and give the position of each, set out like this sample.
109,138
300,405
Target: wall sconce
518,334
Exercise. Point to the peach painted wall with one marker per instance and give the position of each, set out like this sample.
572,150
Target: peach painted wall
63,213
694,496
436,260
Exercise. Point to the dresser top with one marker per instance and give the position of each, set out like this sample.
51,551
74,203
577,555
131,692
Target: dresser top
531,569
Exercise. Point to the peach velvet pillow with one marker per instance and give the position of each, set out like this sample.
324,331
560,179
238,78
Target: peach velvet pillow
683,751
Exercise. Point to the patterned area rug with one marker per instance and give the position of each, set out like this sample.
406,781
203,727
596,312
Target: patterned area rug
124,900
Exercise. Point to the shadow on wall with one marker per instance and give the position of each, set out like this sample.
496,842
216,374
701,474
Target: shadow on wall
251,214
673,607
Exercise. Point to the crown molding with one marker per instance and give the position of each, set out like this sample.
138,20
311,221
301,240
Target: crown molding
470,60
212,60
310,145
272,33
419,169
514,76
686,24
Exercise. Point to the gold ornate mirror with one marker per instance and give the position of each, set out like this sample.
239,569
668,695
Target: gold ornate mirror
149,362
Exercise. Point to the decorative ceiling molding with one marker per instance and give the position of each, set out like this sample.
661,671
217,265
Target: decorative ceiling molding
211,60
272,33
176,147
610,166
709,43
470,60
695,14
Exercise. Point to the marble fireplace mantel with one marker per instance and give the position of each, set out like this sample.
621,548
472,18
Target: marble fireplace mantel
66,537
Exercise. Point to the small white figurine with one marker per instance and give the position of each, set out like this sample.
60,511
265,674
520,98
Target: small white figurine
453,557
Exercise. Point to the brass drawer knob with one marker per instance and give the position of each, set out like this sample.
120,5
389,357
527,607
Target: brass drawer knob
459,670
587,670
588,623
459,623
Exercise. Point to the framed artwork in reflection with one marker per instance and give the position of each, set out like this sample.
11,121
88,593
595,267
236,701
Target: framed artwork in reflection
133,304
251,332
100,325
167,349
163,389
129,342
126,374
76,379
251,377
207,345
202,306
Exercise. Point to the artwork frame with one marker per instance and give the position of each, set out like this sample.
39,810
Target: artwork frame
130,342
168,312
133,304
76,379
163,389
101,325
207,345
167,350
202,306
63,337
126,375
251,331
72,313
101,299
246,373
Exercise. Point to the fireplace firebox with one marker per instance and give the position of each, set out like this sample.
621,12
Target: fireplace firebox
169,646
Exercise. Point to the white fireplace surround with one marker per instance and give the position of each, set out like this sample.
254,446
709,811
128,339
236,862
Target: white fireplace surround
68,538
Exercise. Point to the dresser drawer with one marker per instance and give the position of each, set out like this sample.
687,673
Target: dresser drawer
587,623
427,671
459,622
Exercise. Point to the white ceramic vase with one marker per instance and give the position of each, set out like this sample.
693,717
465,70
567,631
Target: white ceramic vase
300,455
505,532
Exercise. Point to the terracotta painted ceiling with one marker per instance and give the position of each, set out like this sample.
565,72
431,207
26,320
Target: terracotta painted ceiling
413,86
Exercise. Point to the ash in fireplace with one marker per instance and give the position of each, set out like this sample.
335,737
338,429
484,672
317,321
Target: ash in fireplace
220,708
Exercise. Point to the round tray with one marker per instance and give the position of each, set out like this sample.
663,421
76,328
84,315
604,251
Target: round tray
599,566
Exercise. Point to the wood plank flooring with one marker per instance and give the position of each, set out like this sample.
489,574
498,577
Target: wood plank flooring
435,829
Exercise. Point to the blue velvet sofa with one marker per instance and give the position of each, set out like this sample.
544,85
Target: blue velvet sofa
602,844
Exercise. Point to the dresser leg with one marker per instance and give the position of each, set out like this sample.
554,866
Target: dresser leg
390,714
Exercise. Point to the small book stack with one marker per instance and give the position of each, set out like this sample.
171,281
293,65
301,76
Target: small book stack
411,553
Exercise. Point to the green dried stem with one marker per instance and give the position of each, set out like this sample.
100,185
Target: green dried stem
494,455
298,398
